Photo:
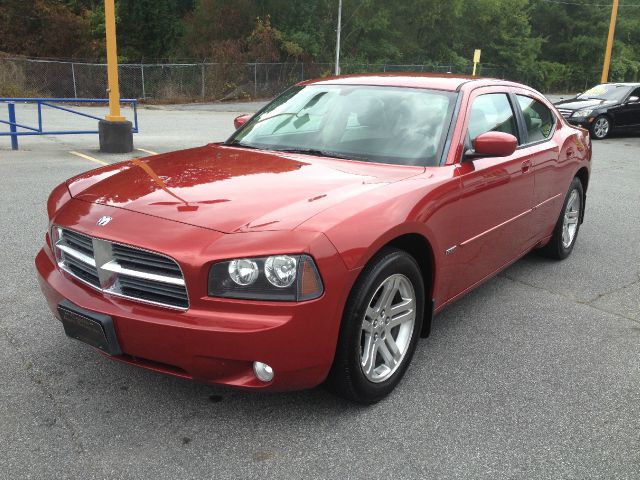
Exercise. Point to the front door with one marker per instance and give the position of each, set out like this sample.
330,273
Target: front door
628,115
494,221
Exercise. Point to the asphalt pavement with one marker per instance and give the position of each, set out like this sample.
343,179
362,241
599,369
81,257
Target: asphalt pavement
536,374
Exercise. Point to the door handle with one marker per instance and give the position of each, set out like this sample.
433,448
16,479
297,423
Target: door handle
526,166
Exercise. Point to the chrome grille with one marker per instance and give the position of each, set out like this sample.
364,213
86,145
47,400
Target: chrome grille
565,113
84,271
121,270
79,242
149,290
74,252
145,261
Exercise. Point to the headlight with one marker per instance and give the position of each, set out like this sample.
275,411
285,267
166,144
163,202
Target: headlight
582,113
281,270
278,277
243,272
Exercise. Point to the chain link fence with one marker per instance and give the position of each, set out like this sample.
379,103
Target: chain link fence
183,82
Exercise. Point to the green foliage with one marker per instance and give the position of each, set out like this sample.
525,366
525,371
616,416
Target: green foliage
551,45
148,28
268,44
43,28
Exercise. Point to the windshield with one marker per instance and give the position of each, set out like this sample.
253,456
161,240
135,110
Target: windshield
404,126
606,92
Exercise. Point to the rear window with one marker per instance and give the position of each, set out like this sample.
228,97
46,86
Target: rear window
538,118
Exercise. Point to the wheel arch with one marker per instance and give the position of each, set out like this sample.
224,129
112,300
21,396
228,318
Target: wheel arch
420,248
583,175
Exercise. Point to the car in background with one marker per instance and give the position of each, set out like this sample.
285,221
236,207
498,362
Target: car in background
604,108
315,244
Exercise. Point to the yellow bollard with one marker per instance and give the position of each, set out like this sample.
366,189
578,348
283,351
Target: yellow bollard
112,63
114,132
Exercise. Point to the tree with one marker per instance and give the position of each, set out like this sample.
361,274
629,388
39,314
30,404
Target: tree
43,28
552,45
149,28
216,29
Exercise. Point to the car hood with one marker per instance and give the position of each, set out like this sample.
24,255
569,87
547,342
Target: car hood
232,189
578,104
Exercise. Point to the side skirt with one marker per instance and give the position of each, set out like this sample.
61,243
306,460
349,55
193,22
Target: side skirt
485,279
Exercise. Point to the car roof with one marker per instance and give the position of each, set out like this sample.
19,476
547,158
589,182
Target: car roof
437,81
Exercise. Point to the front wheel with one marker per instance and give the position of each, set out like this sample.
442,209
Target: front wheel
380,328
600,127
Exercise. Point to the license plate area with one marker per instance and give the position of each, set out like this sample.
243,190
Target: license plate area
92,328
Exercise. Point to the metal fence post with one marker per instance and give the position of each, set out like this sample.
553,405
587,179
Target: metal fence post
73,75
255,80
12,125
202,72
40,117
144,94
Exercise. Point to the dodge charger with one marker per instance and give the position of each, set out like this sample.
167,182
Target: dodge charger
316,244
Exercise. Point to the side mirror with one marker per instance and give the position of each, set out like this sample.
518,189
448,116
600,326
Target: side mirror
494,144
241,120
633,99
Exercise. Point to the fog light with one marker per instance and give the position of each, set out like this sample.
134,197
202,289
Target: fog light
263,371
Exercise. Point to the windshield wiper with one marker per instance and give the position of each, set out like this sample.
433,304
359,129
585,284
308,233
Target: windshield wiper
305,151
241,145
312,151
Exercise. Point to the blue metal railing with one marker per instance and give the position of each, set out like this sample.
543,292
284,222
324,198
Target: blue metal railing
14,133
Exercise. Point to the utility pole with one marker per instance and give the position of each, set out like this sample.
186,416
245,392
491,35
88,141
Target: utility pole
607,53
338,37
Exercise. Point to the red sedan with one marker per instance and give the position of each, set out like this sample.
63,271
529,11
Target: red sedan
316,244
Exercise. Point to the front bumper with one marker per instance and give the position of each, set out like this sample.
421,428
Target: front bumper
584,122
217,340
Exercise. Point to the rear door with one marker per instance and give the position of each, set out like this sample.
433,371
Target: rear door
539,147
494,222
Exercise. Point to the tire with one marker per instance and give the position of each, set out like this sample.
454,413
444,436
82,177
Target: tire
562,242
600,128
367,367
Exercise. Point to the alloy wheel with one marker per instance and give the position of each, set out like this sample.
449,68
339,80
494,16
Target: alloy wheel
601,127
387,328
571,218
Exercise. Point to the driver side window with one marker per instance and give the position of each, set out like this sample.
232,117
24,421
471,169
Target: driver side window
491,112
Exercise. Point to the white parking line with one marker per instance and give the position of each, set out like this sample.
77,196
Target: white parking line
87,157
147,151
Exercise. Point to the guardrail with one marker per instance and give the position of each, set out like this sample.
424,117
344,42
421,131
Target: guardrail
14,126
